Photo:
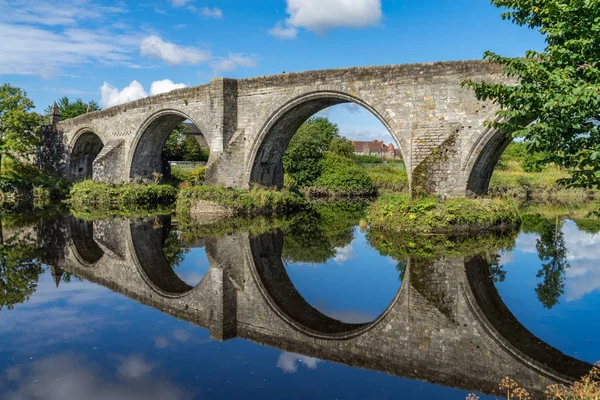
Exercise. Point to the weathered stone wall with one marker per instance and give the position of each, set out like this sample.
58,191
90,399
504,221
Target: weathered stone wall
437,124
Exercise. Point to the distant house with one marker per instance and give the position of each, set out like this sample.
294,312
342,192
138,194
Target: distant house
375,148
195,132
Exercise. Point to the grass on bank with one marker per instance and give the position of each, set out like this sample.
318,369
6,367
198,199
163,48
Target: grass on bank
90,193
518,177
240,202
400,213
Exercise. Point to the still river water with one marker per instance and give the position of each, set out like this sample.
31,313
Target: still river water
313,306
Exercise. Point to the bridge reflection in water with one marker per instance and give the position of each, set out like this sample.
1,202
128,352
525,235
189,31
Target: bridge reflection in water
446,325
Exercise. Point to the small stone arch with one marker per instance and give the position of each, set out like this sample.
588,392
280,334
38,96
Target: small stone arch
84,247
264,162
145,156
84,150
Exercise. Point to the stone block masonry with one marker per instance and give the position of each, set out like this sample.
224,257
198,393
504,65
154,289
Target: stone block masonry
437,125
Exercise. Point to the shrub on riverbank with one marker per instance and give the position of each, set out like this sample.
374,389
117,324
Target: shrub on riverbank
196,201
390,178
340,177
400,213
193,176
90,193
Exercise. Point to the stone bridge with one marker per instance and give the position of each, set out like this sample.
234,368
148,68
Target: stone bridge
446,325
437,125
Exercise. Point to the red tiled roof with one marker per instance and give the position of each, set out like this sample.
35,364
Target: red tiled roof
373,146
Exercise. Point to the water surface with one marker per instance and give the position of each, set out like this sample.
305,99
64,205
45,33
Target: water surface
313,306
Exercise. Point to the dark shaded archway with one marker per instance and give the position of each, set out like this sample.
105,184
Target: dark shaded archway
486,161
266,156
85,150
147,157
148,238
82,236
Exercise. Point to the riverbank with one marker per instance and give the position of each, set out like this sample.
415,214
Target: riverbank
399,213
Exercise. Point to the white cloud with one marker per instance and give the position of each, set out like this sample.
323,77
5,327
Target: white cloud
164,86
73,377
232,62
28,50
283,31
155,47
180,3
343,254
112,96
69,12
212,12
288,362
320,15
134,367
181,335
161,342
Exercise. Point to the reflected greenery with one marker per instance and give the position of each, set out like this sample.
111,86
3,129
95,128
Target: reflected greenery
19,269
552,251
174,249
316,236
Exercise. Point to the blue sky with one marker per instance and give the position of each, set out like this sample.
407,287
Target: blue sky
117,51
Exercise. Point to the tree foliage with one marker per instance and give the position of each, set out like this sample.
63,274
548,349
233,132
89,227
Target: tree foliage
18,123
342,147
68,109
309,143
180,146
552,251
554,103
19,270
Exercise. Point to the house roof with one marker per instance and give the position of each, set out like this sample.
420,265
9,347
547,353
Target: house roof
374,145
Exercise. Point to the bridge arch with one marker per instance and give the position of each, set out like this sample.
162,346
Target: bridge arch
86,146
82,243
265,159
146,240
145,156
482,160
278,291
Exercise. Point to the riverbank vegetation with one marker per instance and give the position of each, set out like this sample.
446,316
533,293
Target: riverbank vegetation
517,176
198,201
89,193
400,213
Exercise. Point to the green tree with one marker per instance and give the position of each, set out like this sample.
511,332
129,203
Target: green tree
18,124
174,249
554,103
552,251
68,109
19,270
342,147
309,143
173,148
192,151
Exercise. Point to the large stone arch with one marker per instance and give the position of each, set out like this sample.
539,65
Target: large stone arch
145,155
281,296
85,147
146,240
507,331
264,164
